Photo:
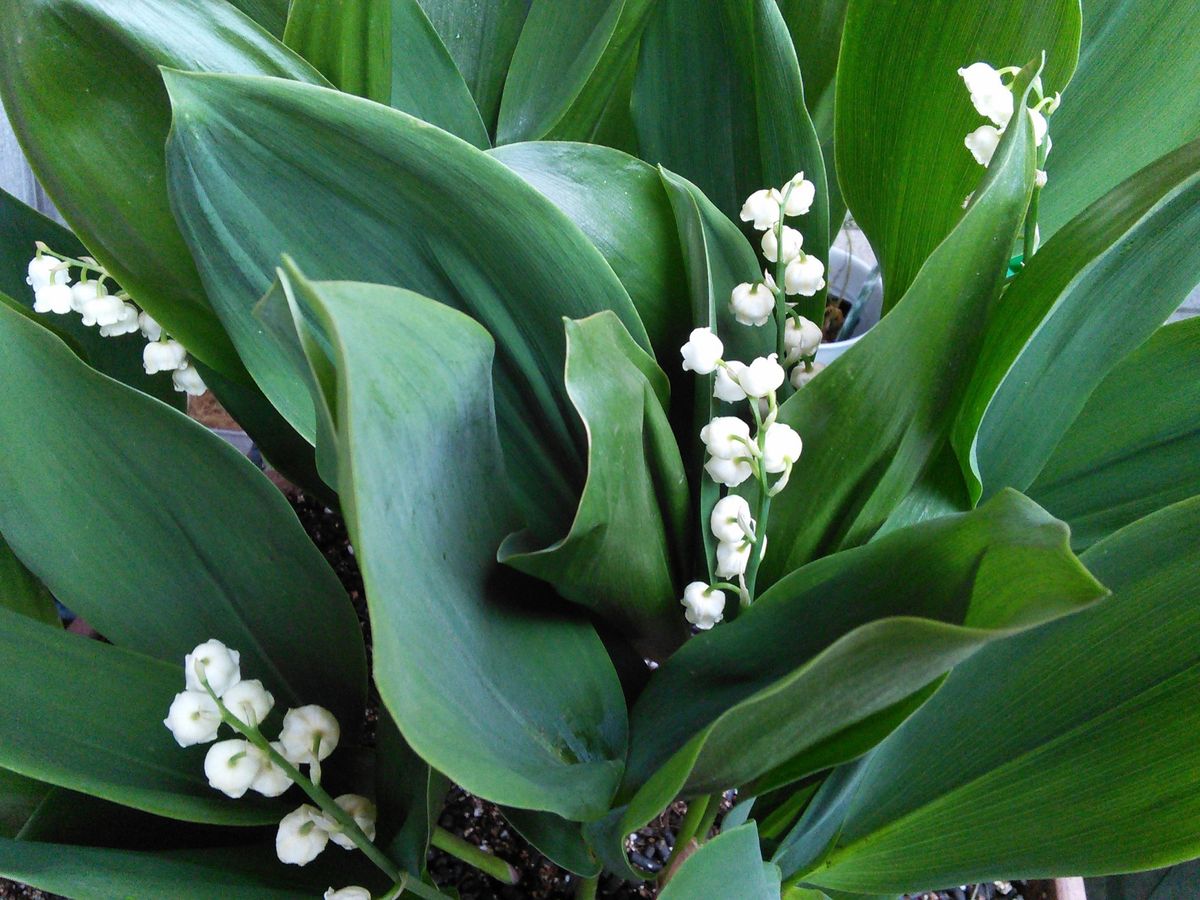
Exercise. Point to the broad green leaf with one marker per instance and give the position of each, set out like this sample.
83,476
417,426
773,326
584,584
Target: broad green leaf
623,554
570,64
1128,455
270,14
866,450
1180,882
174,536
19,799
513,702
387,51
1134,98
409,795
737,122
81,85
731,864
903,111
1094,292
101,708
831,647
118,357
556,838
1098,714
481,36
21,592
258,168
816,30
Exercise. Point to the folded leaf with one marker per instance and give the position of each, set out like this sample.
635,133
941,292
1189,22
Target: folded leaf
21,592
512,700
19,798
1128,455
903,111
732,864
80,83
1095,716
173,536
558,839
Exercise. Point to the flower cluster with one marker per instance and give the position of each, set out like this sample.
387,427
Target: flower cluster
115,314
215,694
993,98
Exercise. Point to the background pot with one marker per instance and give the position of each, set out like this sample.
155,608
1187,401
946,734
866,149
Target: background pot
849,277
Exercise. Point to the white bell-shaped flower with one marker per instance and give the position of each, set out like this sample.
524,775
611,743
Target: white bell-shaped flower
231,766
310,733
781,447
351,892
127,322
799,194
83,291
1040,126
726,437
151,330
163,356
272,780
729,517
220,665
726,386
704,606
729,472
364,814
802,376
188,381
988,92
53,298
761,377
804,275
45,270
732,558
702,352
104,310
801,338
752,304
301,836
193,718
762,209
249,702
793,241
982,142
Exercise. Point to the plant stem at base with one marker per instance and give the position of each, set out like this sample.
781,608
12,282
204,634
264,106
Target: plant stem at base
473,856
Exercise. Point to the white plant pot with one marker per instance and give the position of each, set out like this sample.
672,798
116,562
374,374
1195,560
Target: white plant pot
847,277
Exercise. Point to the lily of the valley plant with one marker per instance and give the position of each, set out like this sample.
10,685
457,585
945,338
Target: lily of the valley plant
534,295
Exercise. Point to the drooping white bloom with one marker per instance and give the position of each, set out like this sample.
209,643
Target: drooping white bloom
151,330
781,447
793,241
801,337
104,310
44,270
704,606
729,472
702,352
249,701
726,386
1040,178
729,517
752,304
163,356
726,437
982,142
362,811
802,375
231,766
804,275
55,298
762,376
84,291
732,558
301,836
306,728
762,208
188,381
127,322
220,665
193,718
800,193
272,780
351,892
988,92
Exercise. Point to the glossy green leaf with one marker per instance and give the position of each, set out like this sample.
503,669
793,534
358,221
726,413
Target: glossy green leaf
1134,98
1128,455
1094,292
21,592
570,64
1098,715
512,702
258,169
918,362
80,83
270,14
175,537
622,555
1180,882
481,36
737,122
118,357
730,864
903,111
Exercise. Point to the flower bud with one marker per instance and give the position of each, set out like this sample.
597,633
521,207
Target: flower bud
163,356
729,472
728,517
1040,126
761,377
301,836
793,240
704,606
982,142
272,780
752,304
219,665
249,702
726,387
781,447
193,718
732,558
804,275
352,892
726,437
305,728
762,208
231,766
362,811
801,338
188,381
55,298
702,351
800,193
